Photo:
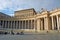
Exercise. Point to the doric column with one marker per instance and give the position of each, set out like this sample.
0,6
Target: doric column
0,23
52,23
19,24
46,23
57,22
28,24
14,25
5,23
31,24
25,24
11,24
34,25
38,24
8,24
22,24
41,24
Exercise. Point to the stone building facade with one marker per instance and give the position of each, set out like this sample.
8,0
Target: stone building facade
29,20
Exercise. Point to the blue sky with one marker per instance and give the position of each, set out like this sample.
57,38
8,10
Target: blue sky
9,6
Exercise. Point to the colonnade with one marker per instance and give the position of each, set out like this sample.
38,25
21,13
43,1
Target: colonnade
41,24
45,23
23,24
48,23
55,23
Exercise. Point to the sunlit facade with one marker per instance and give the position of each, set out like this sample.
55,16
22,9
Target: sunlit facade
28,20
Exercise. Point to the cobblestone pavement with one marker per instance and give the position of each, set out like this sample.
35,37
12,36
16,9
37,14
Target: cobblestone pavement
31,37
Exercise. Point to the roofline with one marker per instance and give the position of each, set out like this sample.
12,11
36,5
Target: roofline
25,9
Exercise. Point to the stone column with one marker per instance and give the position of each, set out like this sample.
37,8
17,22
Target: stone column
41,24
14,25
38,25
22,24
19,24
28,24
11,24
46,23
5,23
8,24
34,25
0,23
31,24
57,22
25,24
52,23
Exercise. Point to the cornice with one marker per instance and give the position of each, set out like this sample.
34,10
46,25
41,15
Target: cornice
55,10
